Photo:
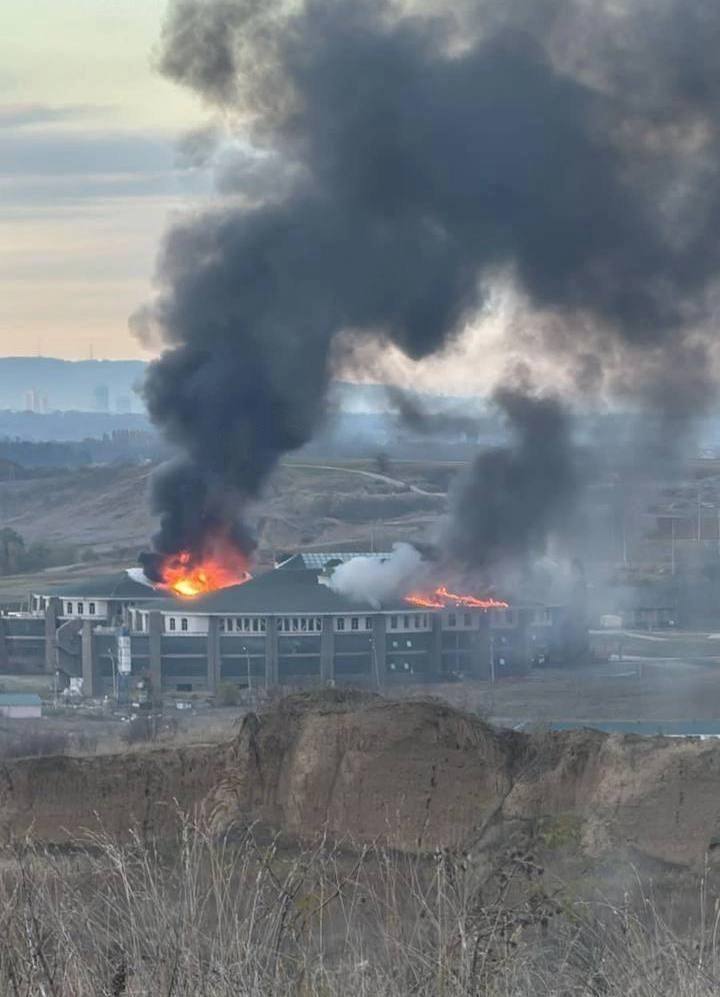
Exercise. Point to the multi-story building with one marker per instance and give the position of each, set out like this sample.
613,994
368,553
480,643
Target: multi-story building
286,627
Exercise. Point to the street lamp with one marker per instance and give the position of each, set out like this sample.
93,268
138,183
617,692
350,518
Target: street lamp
246,652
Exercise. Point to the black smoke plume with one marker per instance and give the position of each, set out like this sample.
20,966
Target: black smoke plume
415,416
572,145
511,498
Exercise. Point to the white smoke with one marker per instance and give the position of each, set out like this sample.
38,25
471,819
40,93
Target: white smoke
374,579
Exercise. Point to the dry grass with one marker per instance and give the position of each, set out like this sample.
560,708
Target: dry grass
212,918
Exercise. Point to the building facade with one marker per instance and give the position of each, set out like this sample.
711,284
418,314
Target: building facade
287,627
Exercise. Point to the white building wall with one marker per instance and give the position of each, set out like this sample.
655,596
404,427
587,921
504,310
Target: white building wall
79,608
192,624
21,712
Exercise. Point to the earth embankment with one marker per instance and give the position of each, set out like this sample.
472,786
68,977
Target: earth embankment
412,775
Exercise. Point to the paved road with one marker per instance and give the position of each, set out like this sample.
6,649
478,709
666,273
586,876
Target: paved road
395,482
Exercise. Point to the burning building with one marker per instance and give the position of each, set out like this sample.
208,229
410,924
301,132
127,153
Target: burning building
287,627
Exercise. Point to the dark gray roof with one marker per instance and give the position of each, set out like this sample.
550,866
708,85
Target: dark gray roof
117,586
276,591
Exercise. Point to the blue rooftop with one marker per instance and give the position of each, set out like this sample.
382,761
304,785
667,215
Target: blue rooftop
20,699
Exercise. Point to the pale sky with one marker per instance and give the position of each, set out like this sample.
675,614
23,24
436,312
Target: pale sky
89,175
90,178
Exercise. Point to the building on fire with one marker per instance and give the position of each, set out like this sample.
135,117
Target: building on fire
286,627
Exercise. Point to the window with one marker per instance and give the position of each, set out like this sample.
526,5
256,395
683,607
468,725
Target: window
263,624
406,622
354,623
467,620
452,620
418,620
340,623
368,622
255,625
183,623
172,622
393,622
91,608
68,608
81,609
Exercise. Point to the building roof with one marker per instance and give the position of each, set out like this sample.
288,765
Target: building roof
296,591
116,586
312,560
20,699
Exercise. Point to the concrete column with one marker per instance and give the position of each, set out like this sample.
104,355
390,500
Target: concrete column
327,651
4,656
213,654
155,629
481,653
89,661
436,662
271,653
378,651
51,654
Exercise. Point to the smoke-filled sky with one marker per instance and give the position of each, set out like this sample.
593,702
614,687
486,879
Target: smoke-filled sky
96,162
397,170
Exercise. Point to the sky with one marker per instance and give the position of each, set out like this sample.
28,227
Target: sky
89,172
91,176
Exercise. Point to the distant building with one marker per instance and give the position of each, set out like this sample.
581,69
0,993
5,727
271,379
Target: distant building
35,402
20,706
101,398
123,404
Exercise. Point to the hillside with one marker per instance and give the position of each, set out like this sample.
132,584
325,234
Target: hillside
415,776
104,512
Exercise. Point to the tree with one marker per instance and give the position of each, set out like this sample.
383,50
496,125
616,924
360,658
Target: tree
12,550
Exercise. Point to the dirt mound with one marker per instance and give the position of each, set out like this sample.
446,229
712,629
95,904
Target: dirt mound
58,797
422,775
414,775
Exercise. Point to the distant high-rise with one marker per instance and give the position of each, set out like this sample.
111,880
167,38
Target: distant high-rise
35,402
101,398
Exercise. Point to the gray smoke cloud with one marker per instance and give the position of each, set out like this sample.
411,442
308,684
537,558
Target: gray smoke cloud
424,150
415,416
375,580
507,503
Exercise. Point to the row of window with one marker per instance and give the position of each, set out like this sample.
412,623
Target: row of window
409,621
299,624
353,623
243,624
80,608
172,623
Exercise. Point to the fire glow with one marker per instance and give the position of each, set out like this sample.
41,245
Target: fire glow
189,577
441,598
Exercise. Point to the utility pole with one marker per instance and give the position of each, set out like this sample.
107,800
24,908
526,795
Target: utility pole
672,545
249,673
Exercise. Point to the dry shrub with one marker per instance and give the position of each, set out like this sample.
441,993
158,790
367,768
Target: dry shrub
247,918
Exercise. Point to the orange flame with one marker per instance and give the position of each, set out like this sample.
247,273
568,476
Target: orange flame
441,598
188,577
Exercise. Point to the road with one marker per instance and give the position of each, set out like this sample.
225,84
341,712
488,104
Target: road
375,475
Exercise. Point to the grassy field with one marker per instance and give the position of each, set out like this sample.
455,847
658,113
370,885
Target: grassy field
254,917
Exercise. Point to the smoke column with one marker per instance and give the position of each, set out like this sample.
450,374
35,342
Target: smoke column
573,146
372,579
